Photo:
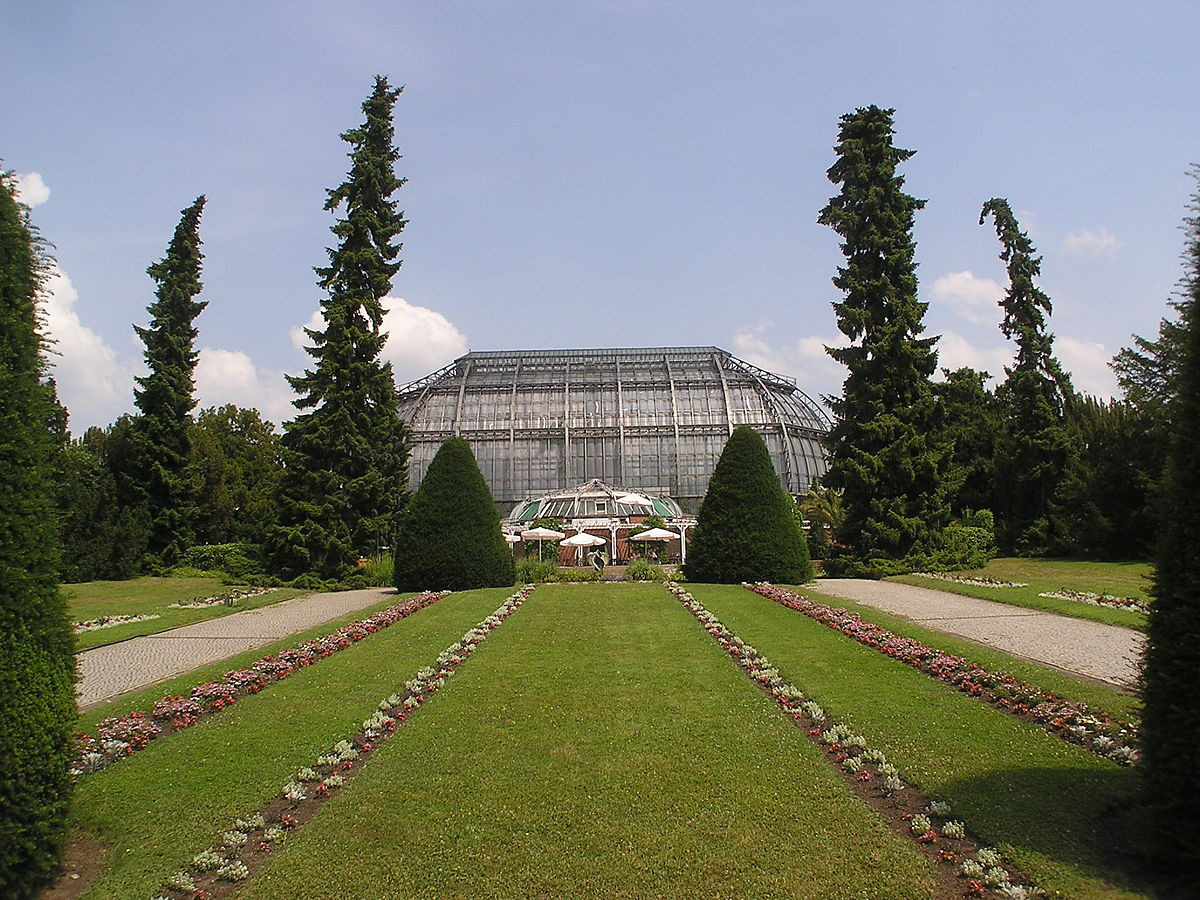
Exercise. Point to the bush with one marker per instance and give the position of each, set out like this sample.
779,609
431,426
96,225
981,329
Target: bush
534,571
964,547
449,537
234,560
641,570
380,572
572,576
747,528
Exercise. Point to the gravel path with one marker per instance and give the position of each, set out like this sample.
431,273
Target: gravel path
1080,646
105,672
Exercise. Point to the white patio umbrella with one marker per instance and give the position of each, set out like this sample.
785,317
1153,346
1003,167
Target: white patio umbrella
583,539
541,534
635,500
655,534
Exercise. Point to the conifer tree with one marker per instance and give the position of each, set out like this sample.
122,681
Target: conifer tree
1034,446
449,536
37,665
346,454
887,451
747,529
165,395
1170,732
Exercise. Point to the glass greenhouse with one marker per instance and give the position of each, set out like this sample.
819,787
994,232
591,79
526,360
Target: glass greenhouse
652,420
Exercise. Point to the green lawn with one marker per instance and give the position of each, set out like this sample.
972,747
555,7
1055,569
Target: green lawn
598,745
158,808
1130,579
1046,803
145,596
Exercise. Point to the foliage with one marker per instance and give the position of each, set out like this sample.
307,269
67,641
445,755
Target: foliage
641,570
1034,448
1171,718
964,547
887,452
535,571
823,510
37,666
971,422
449,537
576,575
236,467
161,434
346,452
746,529
380,571
237,560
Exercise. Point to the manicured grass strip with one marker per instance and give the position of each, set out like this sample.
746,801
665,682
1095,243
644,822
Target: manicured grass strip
1048,805
942,838
153,596
1098,695
1044,575
149,810
118,737
245,845
1075,722
600,745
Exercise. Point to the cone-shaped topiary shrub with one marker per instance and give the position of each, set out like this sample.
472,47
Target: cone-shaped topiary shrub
747,530
37,661
449,537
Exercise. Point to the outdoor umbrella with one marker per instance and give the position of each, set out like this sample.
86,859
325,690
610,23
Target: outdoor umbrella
655,534
635,500
581,540
541,534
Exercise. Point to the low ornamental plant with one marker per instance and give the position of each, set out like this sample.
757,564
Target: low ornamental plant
974,581
228,598
259,833
853,754
120,736
1133,603
110,621
1073,722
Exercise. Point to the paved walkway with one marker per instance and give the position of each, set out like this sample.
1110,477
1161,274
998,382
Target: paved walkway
1080,646
106,672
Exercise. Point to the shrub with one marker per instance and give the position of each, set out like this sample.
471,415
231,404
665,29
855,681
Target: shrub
234,560
534,571
964,547
747,528
571,576
449,537
379,572
641,570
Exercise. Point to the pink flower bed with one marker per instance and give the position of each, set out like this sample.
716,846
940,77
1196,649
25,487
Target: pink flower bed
1074,722
120,736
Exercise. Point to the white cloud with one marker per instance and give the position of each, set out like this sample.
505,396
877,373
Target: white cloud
93,383
815,371
31,190
230,376
1100,242
419,340
969,296
1088,364
956,351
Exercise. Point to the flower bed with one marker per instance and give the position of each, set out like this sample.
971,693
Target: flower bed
109,621
119,736
867,770
245,846
1074,722
1133,603
974,582
229,598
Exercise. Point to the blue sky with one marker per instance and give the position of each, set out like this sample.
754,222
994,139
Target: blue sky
590,174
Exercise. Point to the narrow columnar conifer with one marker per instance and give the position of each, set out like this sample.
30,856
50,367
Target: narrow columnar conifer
449,537
165,396
747,529
1170,732
1033,449
887,450
37,666
345,453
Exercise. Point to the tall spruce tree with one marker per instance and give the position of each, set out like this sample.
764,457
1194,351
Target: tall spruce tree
1034,446
37,665
346,457
1170,732
165,395
887,450
747,529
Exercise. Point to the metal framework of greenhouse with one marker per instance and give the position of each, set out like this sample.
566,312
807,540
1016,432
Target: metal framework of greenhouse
652,419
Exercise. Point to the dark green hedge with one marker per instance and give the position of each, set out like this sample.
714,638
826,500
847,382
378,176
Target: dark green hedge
449,537
747,528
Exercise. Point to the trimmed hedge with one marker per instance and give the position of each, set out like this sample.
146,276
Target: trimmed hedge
747,528
449,537
37,664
